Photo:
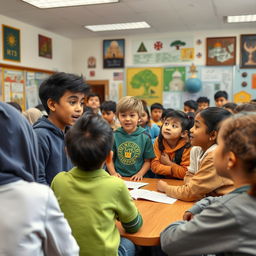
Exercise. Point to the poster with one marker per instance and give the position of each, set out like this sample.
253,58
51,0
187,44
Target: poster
14,87
174,79
145,83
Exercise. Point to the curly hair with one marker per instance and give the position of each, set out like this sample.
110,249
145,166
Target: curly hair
239,136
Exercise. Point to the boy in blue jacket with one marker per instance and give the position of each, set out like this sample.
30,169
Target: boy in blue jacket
62,95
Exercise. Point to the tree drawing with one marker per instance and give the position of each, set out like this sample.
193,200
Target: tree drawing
145,78
178,44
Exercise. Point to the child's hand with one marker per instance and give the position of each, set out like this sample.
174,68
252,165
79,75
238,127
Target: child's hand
164,159
116,174
188,216
136,177
161,186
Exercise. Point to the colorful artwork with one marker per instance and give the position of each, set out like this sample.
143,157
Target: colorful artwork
248,51
174,79
221,51
91,62
11,43
242,97
113,53
45,46
145,83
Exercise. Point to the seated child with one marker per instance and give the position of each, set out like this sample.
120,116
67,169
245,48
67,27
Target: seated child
90,198
93,101
151,128
203,103
156,110
172,148
205,181
108,111
132,148
190,106
223,225
31,220
221,98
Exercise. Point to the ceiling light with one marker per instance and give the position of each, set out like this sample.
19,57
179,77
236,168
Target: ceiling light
241,18
118,26
66,3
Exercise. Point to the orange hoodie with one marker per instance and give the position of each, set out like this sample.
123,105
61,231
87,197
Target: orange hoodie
175,170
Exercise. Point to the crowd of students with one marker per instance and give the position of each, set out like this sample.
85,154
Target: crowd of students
83,150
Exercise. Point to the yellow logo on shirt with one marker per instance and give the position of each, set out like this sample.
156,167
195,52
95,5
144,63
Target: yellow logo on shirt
128,152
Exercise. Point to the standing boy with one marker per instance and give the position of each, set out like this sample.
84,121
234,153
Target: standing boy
221,98
93,101
108,111
90,198
132,148
63,97
156,110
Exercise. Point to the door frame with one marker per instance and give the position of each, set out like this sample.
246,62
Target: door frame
100,82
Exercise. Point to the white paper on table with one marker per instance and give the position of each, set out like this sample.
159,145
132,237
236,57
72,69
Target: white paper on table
134,184
152,196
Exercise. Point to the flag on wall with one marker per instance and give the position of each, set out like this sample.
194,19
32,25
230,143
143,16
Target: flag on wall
11,43
118,76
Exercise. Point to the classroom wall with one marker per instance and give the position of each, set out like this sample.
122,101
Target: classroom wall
84,48
62,48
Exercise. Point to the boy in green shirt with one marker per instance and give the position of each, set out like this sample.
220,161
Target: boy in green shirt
132,148
90,198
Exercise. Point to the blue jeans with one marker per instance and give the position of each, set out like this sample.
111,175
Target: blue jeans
126,247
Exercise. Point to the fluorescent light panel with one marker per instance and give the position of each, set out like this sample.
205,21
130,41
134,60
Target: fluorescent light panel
118,26
241,18
66,3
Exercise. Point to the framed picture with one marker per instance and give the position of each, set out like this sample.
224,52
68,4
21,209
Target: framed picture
248,51
221,51
11,43
45,46
113,53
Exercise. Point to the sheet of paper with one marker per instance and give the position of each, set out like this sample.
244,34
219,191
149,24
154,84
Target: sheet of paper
134,184
152,196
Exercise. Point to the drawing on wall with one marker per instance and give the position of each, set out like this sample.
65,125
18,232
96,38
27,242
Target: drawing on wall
248,51
174,79
145,83
177,44
221,51
242,97
11,43
91,62
113,53
45,46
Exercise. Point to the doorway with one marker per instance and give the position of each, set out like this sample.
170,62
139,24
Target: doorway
100,87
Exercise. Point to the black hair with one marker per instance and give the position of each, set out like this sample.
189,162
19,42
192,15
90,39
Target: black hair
89,142
219,94
58,84
156,106
213,116
15,105
203,100
91,95
40,107
108,106
230,105
192,104
166,111
187,122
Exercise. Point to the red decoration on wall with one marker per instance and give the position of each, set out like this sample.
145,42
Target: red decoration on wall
158,45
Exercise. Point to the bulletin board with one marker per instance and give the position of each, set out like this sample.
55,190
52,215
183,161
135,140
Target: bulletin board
20,84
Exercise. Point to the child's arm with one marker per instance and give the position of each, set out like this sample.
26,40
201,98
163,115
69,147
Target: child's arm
145,167
111,169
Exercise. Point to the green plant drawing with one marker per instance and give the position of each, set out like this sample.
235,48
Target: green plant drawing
147,79
177,44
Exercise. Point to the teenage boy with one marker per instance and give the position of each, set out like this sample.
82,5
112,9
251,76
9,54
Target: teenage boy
156,110
108,111
203,103
93,101
90,198
221,98
63,97
133,149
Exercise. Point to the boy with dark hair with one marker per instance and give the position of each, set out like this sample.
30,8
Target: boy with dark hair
93,101
190,106
203,103
133,149
63,97
221,98
156,110
108,111
90,198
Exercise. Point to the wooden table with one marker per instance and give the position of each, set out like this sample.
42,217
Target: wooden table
156,216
